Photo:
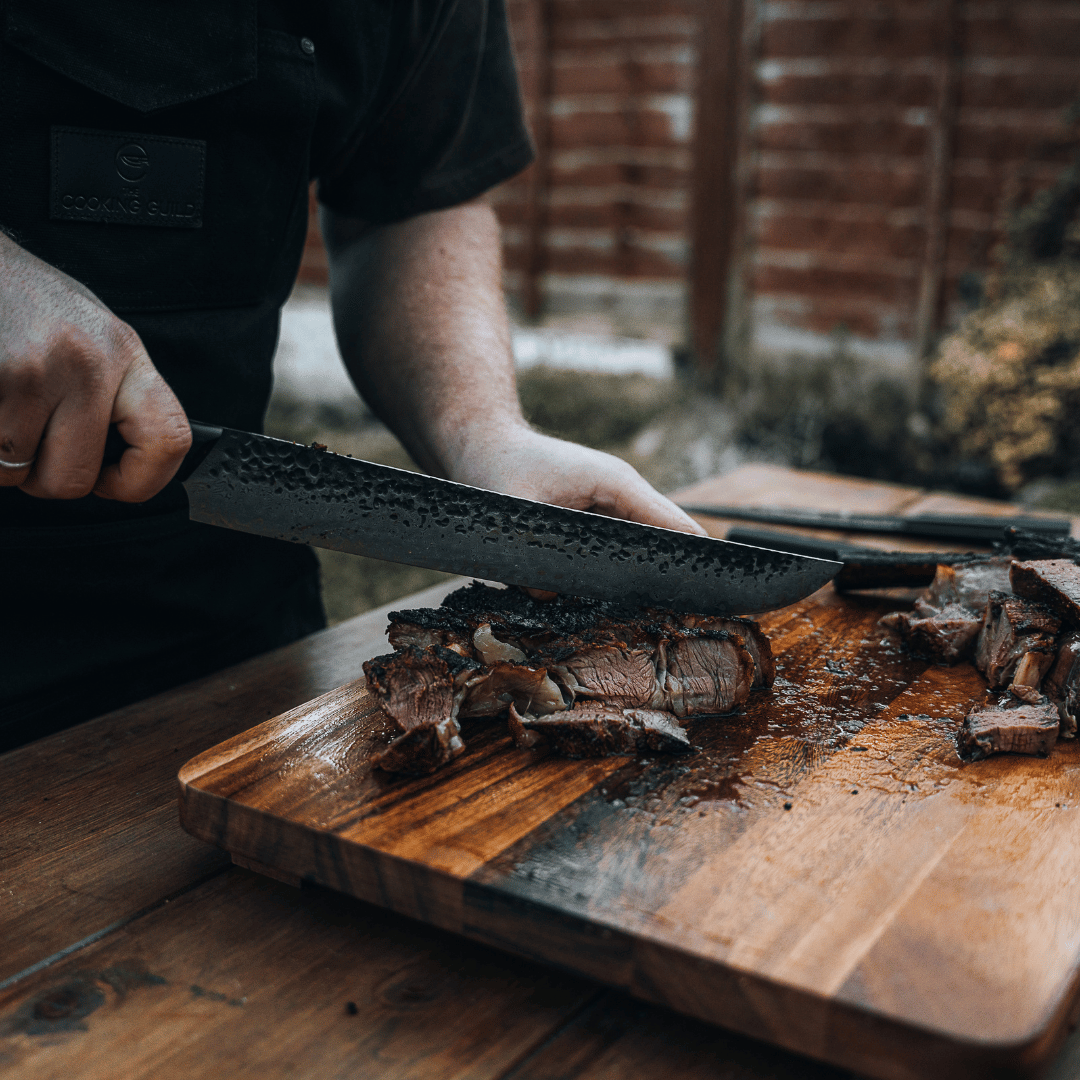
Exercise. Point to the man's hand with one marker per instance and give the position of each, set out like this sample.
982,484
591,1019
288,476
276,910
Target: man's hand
523,462
69,368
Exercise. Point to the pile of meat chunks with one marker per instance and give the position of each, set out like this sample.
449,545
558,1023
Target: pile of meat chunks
1019,622
584,678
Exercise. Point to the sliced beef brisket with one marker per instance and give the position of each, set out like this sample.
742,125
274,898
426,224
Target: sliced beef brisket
947,635
1008,725
1062,684
970,584
1018,638
594,677
1053,582
948,616
421,690
478,618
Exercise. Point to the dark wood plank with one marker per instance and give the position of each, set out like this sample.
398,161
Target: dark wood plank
90,833
243,977
618,1038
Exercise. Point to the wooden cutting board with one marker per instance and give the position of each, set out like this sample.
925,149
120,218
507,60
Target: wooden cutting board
823,873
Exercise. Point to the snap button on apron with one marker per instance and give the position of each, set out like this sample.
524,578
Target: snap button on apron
307,45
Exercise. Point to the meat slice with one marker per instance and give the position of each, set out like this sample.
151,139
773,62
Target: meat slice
505,683
753,638
1062,684
948,616
969,584
422,749
423,628
421,691
705,672
1008,726
594,729
1053,582
1017,635
419,686
608,670
947,635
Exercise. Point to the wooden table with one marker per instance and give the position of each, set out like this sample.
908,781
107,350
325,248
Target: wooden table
127,948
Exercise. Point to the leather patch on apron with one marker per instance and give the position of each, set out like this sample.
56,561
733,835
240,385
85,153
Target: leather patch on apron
120,178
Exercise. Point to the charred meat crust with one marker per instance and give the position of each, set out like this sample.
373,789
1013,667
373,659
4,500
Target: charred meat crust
1008,726
1053,582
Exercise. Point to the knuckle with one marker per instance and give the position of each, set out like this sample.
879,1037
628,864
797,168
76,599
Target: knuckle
83,355
24,375
125,340
174,440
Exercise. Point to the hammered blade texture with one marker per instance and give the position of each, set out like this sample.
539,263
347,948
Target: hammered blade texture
280,489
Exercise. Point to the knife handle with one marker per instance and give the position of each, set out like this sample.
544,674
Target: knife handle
203,437
864,568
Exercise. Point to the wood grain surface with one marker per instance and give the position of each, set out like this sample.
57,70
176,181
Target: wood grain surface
130,949
824,873
78,804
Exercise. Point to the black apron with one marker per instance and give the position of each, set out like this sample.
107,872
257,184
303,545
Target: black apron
158,153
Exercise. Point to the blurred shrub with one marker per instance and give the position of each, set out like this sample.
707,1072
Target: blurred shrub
1007,382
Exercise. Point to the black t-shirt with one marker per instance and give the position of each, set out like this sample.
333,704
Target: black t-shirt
161,154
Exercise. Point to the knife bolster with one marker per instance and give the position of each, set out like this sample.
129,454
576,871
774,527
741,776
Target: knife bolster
203,439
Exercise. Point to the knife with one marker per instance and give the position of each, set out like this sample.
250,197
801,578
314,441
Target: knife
307,495
973,528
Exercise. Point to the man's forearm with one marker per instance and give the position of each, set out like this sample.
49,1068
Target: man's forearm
421,324
422,327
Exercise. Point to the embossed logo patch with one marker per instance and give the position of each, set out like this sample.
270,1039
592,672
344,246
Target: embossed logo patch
120,178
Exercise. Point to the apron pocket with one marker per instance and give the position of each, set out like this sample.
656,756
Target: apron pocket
146,55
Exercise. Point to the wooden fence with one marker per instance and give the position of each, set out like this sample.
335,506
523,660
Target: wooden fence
775,169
